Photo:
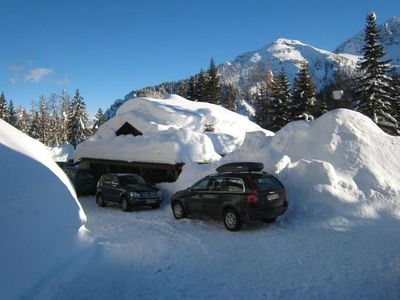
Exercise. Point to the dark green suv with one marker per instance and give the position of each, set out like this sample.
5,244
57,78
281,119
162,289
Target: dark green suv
83,181
239,193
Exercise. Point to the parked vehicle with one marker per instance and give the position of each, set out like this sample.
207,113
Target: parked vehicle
128,190
83,181
239,193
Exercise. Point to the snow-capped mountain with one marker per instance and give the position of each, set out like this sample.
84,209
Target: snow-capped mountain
286,55
389,34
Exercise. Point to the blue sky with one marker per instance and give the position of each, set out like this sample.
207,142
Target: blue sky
108,48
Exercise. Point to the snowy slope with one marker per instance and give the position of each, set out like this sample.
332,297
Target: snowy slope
389,33
41,221
287,55
339,168
174,131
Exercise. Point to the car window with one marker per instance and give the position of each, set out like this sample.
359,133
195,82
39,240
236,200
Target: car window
131,179
267,183
216,184
202,185
234,185
114,180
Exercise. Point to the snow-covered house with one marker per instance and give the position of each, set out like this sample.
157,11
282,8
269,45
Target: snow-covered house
155,137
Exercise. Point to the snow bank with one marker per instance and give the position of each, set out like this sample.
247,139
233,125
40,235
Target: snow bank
174,130
62,153
340,168
41,221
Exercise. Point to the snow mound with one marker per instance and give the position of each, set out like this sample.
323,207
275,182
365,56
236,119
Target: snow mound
41,221
62,153
175,130
341,168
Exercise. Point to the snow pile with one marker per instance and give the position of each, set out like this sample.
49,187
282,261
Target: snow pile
340,168
62,153
41,221
174,130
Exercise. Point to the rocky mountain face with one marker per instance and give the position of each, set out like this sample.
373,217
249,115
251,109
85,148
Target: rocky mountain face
247,70
389,34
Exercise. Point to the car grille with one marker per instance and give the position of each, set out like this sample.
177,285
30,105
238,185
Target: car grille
149,194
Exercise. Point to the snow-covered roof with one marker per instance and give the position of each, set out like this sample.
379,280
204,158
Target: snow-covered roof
41,221
175,130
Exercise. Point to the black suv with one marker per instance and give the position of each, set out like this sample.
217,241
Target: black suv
239,193
83,181
128,190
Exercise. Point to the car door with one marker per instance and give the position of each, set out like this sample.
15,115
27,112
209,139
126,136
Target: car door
195,200
106,188
214,198
115,189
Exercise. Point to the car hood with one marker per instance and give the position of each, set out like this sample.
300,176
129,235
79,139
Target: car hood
140,188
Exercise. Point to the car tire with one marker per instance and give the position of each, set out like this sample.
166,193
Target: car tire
125,204
232,220
100,200
178,210
270,220
155,206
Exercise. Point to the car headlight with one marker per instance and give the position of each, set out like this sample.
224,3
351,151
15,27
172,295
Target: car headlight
159,194
134,195
273,197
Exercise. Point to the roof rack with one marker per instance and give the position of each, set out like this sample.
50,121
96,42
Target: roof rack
241,167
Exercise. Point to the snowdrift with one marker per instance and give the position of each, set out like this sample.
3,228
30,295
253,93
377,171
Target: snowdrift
62,153
174,130
41,221
340,168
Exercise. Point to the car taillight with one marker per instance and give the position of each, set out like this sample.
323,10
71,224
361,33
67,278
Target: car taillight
253,198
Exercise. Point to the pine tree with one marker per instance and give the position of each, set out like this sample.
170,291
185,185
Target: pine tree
65,112
182,91
373,94
3,107
304,101
263,102
43,122
34,124
396,96
201,87
230,94
23,120
99,119
213,89
281,102
11,114
191,92
78,121
55,126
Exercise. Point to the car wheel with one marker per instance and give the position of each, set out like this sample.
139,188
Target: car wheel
155,206
100,201
269,220
125,204
232,220
178,210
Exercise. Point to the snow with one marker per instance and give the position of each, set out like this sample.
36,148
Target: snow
62,153
339,238
174,131
41,221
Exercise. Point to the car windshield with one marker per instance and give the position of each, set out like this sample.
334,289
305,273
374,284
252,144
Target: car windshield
131,179
267,183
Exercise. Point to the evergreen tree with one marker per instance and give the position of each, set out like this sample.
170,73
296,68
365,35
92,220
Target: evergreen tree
201,87
43,122
396,96
182,91
304,101
55,121
11,114
230,94
78,121
34,124
213,89
3,108
281,102
99,119
373,94
65,112
262,117
191,92
23,120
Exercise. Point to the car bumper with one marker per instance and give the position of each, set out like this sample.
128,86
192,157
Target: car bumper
257,215
145,201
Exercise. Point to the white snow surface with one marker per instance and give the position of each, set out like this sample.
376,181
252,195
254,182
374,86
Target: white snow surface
41,221
339,168
174,131
62,153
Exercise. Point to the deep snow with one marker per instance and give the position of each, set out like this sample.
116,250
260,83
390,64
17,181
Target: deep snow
41,221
